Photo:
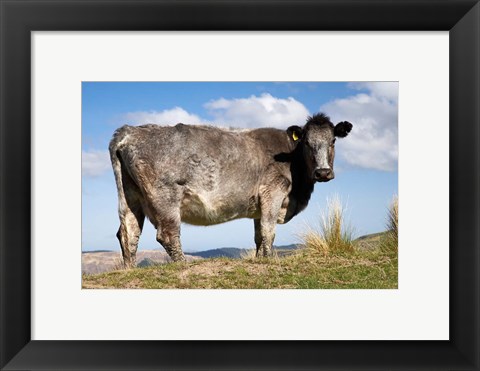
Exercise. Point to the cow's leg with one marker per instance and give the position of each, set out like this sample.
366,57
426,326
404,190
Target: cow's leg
264,236
168,234
258,235
164,212
131,225
267,235
270,204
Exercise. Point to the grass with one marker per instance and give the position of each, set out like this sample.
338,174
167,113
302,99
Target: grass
330,259
389,242
302,270
334,235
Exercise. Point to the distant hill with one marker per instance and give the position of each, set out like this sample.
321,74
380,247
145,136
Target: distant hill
100,261
236,253
223,252
97,251
370,236
369,241
292,246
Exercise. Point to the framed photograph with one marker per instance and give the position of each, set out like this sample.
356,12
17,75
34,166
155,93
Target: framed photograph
224,148
404,75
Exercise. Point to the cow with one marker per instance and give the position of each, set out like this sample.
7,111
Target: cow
206,175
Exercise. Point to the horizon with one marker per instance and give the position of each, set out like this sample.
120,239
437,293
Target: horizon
187,251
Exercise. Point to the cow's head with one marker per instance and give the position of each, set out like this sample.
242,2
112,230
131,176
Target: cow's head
316,142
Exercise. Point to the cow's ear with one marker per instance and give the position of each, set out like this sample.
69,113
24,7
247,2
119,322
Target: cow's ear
342,129
295,132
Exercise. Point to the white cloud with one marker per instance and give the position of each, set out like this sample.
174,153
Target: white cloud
373,142
95,162
380,89
255,111
251,112
166,117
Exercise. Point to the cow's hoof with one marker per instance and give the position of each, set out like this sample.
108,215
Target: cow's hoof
179,259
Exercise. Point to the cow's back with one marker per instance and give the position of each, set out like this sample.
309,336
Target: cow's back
212,173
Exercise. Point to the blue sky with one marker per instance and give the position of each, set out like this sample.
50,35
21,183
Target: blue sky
365,164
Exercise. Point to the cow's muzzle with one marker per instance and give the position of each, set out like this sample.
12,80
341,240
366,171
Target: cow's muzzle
323,175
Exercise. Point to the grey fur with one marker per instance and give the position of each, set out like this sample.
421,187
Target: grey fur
206,175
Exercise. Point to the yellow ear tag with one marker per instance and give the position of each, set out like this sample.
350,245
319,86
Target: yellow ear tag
294,136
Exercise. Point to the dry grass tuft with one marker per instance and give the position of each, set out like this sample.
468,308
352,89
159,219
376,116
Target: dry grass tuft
334,235
393,217
390,241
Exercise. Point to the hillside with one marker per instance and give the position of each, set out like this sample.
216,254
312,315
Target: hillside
224,252
368,268
100,261
369,241
236,253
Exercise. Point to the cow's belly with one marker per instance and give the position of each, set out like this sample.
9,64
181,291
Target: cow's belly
205,209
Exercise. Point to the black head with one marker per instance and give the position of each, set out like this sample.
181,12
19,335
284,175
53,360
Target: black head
317,140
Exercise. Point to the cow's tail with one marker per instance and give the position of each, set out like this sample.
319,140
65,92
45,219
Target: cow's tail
128,239
118,137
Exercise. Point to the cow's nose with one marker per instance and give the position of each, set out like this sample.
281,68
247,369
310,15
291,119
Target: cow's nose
323,174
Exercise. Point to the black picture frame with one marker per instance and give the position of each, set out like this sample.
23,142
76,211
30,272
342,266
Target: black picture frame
18,18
